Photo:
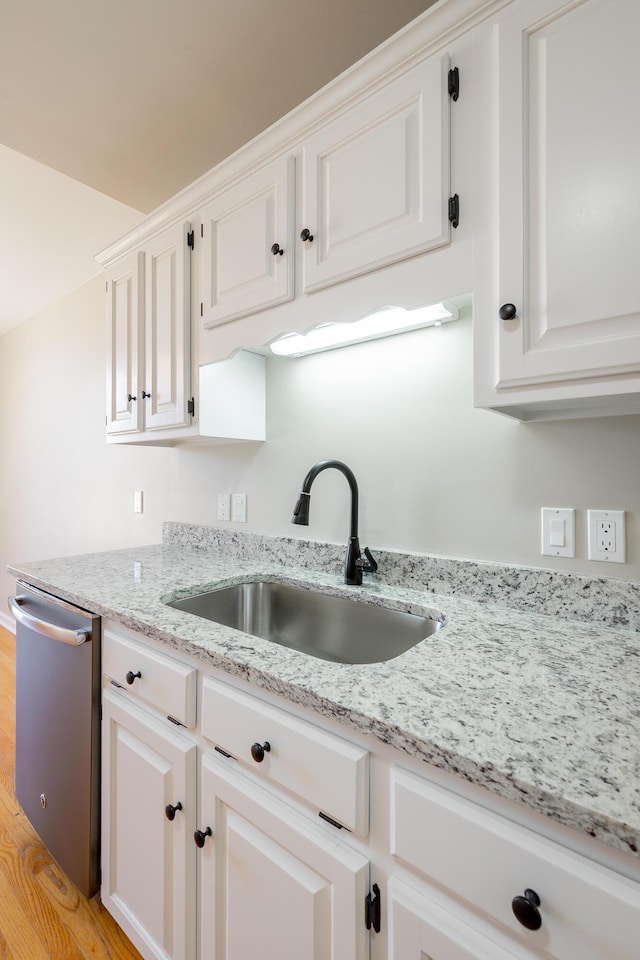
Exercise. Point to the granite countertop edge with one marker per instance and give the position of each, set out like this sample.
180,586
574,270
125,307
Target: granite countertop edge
540,711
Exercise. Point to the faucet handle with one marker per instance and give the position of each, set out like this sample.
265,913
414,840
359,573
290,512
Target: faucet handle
369,565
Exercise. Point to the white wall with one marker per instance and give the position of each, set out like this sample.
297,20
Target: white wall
62,490
435,475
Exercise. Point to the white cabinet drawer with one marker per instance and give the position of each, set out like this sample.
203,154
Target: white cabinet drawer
419,928
587,911
329,773
164,683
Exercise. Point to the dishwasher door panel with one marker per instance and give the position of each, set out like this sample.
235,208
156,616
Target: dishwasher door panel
58,736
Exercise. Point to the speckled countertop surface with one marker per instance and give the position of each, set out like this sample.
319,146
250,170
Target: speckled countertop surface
541,710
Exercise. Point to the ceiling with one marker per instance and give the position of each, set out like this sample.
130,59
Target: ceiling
108,109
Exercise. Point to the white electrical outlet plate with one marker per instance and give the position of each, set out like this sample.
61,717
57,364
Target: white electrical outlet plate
558,532
607,538
137,501
239,507
224,506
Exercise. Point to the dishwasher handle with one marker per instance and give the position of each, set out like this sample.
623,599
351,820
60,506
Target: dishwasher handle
72,637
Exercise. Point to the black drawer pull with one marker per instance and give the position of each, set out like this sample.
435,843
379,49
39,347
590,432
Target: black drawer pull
258,750
131,676
201,835
507,311
526,910
171,810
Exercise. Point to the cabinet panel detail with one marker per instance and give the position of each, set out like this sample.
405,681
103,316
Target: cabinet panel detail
125,309
328,772
568,204
587,911
167,329
164,683
148,861
419,929
376,179
273,883
241,273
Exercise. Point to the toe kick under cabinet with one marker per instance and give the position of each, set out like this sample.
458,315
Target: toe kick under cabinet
236,824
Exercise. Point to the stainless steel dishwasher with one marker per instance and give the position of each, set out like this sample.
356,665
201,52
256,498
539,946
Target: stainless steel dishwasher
58,729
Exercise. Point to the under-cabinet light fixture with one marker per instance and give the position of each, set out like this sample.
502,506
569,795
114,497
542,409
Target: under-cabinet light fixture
382,323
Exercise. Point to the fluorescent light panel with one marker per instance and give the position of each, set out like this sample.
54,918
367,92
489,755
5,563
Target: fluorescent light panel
382,323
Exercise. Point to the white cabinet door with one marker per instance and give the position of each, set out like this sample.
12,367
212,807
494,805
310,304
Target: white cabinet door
248,251
566,208
148,861
376,179
167,380
419,929
125,310
274,885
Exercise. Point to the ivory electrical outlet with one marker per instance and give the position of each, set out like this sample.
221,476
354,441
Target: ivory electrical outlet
239,507
607,538
137,501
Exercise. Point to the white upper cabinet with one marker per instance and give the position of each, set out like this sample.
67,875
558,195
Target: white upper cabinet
247,248
125,310
558,239
148,337
376,179
167,330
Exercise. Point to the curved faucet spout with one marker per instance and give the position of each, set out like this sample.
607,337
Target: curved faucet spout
354,564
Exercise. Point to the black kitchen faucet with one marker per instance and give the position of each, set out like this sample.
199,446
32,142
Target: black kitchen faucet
355,564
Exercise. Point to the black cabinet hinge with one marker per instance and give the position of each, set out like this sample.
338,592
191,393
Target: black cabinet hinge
191,407
454,210
334,823
173,720
190,239
372,908
453,84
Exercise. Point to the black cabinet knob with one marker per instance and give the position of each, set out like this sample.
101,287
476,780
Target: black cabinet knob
276,249
130,398
170,810
507,311
145,395
200,836
258,750
526,910
131,676
306,235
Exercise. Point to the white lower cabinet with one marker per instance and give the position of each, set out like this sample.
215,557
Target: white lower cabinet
148,859
222,841
274,884
419,929
549,901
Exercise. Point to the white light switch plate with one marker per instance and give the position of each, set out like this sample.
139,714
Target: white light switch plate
558,532
607,537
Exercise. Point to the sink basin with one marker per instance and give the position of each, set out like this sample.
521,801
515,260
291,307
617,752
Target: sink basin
319,624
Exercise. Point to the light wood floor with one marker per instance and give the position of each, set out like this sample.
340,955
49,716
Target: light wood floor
42,915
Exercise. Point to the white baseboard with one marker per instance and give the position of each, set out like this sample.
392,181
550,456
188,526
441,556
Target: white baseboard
7,621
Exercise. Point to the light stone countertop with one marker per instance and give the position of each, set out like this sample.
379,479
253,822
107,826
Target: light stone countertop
540,710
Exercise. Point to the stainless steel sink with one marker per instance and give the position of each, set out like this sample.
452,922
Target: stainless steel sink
319,624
